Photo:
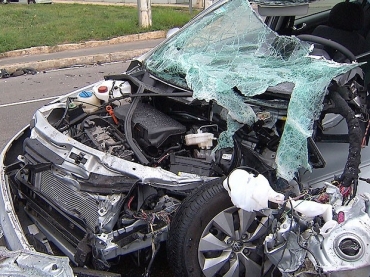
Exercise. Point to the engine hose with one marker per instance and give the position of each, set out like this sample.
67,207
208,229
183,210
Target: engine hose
351,169
237,156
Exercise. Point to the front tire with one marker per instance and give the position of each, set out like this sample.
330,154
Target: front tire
210,237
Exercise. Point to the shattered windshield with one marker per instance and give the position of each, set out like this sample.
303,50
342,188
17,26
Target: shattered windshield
230,47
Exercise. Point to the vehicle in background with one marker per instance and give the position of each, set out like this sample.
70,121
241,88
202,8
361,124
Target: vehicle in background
27,1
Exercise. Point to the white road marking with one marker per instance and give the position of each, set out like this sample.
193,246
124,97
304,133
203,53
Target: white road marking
28,101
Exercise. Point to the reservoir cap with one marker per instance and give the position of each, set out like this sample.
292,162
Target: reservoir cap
85,94
102,89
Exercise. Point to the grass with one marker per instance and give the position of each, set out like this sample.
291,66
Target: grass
24,26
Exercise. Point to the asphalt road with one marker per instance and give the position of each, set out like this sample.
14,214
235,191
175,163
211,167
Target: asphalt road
21,96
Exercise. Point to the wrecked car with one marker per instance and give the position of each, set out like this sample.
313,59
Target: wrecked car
239,141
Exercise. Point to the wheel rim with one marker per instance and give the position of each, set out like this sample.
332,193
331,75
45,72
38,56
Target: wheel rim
228,244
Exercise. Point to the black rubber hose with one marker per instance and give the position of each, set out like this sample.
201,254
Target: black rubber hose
351,169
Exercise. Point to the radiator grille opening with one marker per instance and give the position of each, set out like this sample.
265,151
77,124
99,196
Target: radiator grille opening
79,204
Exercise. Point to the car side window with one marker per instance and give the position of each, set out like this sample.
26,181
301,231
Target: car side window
316,7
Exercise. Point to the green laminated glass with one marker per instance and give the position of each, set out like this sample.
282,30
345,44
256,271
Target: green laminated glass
230,47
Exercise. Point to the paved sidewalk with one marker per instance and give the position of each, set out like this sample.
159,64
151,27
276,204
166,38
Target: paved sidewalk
117,49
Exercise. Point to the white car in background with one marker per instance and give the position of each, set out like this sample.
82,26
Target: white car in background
28,1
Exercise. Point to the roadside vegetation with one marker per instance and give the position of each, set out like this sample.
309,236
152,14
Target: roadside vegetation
24,26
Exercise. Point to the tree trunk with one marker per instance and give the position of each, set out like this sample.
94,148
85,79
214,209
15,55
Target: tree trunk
145,13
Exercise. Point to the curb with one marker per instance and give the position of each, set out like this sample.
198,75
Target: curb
89,44
80,60
83,60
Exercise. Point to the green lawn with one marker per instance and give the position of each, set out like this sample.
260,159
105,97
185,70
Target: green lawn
24,26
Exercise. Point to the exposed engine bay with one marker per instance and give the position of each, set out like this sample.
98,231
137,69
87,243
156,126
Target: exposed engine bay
107,174
101,178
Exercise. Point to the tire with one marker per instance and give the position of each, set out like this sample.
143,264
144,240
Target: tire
202,240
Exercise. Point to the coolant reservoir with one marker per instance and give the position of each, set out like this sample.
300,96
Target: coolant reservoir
90,103
111,89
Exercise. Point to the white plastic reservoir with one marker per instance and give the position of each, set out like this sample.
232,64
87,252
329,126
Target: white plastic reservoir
110,89
90,103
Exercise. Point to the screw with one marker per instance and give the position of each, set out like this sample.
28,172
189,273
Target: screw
232,255
246,251
230,241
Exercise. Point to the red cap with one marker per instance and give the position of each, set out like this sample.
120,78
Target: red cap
102,89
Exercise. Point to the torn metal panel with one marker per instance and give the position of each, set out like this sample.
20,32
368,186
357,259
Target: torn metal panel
31,263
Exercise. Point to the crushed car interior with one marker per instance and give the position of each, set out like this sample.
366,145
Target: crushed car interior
239,144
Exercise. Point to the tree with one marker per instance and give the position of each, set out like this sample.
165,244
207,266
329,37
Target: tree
145,13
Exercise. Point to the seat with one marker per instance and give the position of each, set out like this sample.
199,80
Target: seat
345,19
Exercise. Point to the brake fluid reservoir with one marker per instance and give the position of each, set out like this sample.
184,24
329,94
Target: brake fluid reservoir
203,140
90,103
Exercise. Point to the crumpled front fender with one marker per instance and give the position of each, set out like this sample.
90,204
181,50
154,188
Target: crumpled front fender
21,259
